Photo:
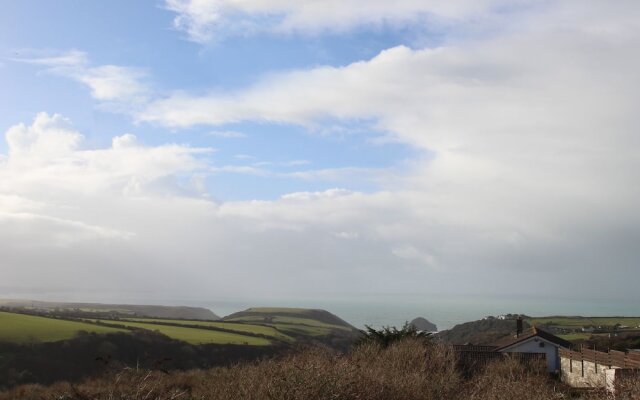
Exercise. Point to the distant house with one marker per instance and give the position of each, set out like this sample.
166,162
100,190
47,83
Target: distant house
524,345
535,341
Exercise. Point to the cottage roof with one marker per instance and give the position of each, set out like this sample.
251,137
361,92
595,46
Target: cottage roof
528,334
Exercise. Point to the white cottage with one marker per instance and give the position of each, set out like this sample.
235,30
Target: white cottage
535,340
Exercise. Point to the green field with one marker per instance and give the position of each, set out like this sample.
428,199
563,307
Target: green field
21,328
194,335
274,310
294,325
247,328
575,336
290,320
578,322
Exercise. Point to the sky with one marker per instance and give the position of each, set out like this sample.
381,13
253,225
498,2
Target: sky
320,149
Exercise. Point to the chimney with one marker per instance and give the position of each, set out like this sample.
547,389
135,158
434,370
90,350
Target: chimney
518,326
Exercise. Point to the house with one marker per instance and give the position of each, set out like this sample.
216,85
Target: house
536,341
532,344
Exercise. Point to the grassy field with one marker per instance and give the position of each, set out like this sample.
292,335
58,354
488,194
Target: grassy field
196,336
577,322
291,320
294,325
272,310
20,328
575,336
238,327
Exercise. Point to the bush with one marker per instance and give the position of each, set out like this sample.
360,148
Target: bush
388,335
510,378
403,370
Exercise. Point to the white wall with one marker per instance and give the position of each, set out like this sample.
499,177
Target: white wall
532,345
573,375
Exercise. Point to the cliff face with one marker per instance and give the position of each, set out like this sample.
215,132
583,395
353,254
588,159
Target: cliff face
422,324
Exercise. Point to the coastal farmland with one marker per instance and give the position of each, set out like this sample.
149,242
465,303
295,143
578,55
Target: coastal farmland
292,325
578,322
237,327
21,328
194,335
295,321
577,329
253,327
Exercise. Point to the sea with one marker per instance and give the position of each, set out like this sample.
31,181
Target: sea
445,311
376,310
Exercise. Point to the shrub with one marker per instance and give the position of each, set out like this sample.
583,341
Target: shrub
388,335
409,369
509,378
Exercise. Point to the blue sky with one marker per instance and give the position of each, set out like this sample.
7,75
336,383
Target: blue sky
336,147
142,35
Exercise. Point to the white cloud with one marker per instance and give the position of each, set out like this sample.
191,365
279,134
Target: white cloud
113,82
344,175
531,177
48,154
56,232
204,20
47,138
530,134
241,169
125,141
227,134
118,217
108,83
71,58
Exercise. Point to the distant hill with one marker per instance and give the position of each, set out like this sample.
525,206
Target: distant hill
151,311
323,316
303,324
422,324
483,332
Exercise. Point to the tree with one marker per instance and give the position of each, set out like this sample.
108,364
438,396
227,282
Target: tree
388,335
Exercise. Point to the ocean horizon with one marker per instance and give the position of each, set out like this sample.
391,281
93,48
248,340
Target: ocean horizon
377,311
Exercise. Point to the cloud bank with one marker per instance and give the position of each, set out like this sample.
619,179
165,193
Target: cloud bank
529,172
532,130
205,20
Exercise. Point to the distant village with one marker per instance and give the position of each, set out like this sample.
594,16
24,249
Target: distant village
561,329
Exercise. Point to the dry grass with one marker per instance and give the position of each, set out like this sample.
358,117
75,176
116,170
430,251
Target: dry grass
409,370
628,388
509,379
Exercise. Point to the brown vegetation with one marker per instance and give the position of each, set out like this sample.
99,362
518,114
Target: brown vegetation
405,370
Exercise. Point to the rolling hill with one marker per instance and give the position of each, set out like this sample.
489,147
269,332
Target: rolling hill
21,328
151,311
297,322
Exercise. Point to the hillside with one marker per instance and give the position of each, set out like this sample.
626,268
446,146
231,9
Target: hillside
34,343
20,328
302,324
255,327
484,331
151,311
319,316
